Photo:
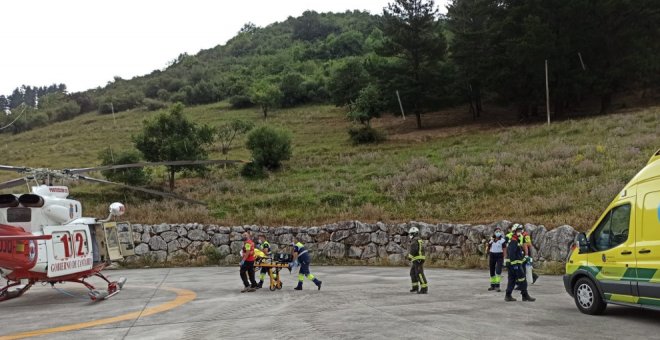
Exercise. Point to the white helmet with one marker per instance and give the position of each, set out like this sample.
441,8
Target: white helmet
413,231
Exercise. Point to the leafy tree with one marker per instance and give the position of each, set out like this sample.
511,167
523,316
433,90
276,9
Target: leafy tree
172,137
65,111
269,146
291,90
312,25
411,32
469,22
346,44
132,176
265,94
228,132
368,105
347,78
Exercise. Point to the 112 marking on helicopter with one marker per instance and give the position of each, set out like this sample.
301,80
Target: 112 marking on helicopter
44,238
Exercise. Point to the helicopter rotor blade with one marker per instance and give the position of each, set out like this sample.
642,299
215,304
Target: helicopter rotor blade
13,183
143,164
150,191
13,168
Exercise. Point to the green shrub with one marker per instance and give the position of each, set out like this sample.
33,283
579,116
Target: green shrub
253,170
240,102
269,146
365,135
154,104
130,176
66,111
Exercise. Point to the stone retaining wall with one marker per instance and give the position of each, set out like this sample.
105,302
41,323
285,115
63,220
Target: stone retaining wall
369,243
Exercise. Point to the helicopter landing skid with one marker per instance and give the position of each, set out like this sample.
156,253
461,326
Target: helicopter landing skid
6,294
114,287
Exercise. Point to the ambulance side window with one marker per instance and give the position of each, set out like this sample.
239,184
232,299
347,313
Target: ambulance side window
613,229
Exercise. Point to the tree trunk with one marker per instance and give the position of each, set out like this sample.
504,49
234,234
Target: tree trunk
264,108
477,100
473,111
605,103
172,180
419,120
523,111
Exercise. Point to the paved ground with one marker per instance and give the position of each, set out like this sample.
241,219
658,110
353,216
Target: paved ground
355,302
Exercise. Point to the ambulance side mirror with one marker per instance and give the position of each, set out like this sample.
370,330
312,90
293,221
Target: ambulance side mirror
583,242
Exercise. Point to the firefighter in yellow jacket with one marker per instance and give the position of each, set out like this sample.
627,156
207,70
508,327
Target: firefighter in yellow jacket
416,256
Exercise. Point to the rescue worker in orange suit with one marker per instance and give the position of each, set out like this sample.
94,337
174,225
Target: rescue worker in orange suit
495,258
247,264
514,263
416,257
302,258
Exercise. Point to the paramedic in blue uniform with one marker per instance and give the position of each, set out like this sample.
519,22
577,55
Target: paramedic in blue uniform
303,258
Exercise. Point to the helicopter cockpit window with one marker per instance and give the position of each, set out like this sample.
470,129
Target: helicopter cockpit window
19,215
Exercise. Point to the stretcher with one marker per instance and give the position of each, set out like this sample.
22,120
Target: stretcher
275,263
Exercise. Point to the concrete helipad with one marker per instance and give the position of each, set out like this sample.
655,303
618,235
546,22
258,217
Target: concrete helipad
355,302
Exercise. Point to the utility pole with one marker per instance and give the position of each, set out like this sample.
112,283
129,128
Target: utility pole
547,92
400,105
114,119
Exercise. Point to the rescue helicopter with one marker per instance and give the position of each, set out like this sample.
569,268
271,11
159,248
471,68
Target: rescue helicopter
45,238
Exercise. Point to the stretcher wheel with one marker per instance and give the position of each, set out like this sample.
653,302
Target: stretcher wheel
272,288
279,285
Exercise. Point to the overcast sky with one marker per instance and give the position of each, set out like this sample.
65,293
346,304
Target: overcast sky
85,43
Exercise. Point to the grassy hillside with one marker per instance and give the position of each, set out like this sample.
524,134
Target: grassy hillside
565,173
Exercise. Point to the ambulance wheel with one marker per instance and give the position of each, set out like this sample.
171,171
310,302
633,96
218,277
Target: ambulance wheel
587,297
279,285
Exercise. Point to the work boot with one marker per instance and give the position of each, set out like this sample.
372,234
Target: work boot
423,290
526,297
318,283
498,290
250,290
260,285
299,286
509,298
245,289
491,288
413,290
534,277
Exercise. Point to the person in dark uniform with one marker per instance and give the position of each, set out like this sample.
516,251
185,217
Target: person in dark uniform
417,258
514,262
303,259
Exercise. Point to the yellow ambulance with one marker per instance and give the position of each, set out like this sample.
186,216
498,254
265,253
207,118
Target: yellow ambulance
618,260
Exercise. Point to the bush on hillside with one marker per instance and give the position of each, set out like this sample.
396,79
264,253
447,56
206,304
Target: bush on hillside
154,104
365,135
240,102
131,176
253,170
269,146
66,111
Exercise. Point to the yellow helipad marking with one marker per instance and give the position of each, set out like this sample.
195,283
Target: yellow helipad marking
183,296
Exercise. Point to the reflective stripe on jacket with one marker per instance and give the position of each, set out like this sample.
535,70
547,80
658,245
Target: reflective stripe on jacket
416,250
